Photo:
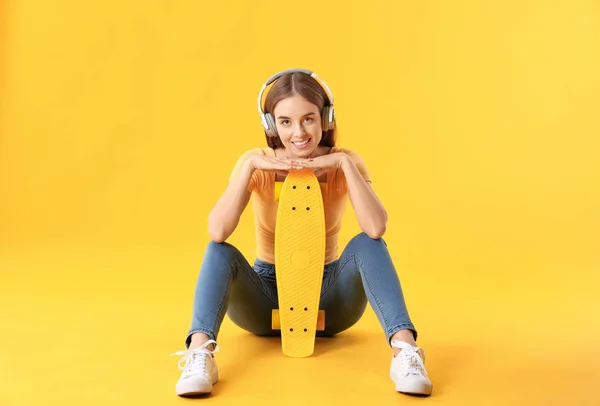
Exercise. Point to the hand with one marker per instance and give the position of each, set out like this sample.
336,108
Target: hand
281,166
323,164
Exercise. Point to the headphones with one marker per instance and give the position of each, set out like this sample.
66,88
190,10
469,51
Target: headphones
268,122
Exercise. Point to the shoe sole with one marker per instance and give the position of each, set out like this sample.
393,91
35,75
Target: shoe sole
415,390
195,391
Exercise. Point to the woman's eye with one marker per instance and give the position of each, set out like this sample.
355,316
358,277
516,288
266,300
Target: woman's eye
308,119
285,122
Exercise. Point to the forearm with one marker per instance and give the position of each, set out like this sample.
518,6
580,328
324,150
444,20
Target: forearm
225,216
370,213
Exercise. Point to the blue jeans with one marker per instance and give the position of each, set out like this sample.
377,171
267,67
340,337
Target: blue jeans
248,294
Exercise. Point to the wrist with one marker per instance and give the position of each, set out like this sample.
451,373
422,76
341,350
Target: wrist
345,161
248,169
249,165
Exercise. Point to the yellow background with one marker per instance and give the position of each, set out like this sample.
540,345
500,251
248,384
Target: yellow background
478,121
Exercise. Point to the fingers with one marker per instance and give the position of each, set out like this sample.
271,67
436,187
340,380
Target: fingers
308,164
282,164
279,163
290,163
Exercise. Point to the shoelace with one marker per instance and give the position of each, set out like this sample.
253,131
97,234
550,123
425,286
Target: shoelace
413,363
191,357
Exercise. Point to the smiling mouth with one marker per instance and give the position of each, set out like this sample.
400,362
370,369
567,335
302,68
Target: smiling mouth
301,144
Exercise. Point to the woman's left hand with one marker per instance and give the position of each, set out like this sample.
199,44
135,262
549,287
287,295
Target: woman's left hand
323,164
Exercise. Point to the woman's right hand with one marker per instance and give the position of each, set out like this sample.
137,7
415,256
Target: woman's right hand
281,166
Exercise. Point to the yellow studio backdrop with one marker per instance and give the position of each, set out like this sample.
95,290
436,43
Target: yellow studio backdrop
478,121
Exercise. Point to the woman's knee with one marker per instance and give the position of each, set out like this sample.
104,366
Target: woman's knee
220,247
363,241
222,250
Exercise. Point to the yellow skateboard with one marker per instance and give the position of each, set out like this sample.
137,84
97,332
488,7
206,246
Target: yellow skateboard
299,261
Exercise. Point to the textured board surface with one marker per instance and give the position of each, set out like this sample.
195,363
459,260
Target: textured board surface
299,260
275,320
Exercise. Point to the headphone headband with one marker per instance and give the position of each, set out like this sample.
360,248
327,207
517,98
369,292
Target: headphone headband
278,75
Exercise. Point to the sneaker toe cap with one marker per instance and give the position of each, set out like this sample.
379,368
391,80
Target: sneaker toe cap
414,384
192,385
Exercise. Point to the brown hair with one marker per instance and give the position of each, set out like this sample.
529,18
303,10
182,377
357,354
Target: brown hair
304,85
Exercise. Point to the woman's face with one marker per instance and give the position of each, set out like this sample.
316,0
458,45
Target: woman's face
299,125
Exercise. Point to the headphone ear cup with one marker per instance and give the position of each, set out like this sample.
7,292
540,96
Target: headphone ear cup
272,130
327,117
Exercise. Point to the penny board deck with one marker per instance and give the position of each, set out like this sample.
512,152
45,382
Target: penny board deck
299,262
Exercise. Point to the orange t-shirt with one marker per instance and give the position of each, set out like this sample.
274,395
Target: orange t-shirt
262,187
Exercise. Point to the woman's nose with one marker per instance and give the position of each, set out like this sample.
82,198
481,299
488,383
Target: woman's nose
298,129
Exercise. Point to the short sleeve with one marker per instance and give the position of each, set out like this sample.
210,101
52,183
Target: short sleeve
240,164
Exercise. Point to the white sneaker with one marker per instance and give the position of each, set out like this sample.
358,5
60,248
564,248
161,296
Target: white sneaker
200,371
408,370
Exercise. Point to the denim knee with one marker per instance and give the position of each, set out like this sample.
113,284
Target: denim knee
363,241
222,250
221,247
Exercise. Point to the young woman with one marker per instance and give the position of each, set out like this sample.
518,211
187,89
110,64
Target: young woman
300,130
